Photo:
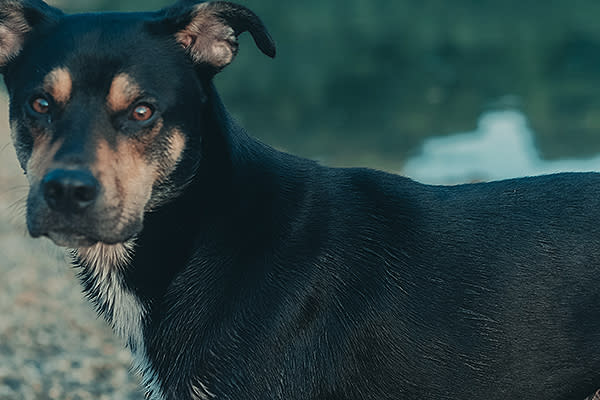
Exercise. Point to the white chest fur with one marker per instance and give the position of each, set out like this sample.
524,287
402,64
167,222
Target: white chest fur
103,266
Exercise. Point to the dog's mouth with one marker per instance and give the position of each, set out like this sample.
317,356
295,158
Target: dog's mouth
74,240
74,218
81,232
85,236
74,209
70,239
107,225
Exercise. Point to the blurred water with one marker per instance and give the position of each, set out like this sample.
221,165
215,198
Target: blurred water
501,147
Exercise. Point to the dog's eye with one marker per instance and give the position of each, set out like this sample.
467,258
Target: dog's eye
142,112
40,105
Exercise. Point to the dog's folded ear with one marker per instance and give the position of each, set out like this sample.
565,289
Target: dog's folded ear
209,30
18,18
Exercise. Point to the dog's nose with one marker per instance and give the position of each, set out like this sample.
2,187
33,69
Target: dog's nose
69,191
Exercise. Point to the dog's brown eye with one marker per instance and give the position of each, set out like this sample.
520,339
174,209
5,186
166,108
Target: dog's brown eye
40,105
142,113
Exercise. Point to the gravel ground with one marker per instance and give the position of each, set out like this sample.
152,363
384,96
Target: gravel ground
52,345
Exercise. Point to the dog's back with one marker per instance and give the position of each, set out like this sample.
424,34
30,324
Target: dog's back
359,279
354,283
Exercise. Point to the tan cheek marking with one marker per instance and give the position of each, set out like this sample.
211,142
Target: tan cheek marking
126,177
176,145
123,91
59,84
175,150
104,170
138,176
154,132
41,157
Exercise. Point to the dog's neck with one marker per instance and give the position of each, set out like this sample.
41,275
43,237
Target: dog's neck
102,268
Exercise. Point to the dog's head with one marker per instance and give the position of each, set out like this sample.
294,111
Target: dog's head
106,107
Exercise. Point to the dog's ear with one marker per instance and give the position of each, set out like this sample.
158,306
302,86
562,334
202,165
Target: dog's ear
17,19
209,31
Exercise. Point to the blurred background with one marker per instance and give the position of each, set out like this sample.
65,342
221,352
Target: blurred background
375,83
444,92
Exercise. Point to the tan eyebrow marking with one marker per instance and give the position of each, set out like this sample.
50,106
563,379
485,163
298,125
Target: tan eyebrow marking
123,91
59,84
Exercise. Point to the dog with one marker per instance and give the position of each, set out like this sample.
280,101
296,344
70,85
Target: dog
235,271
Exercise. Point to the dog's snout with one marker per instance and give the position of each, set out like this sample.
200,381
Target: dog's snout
70,191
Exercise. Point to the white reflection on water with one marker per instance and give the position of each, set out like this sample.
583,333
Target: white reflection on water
501,147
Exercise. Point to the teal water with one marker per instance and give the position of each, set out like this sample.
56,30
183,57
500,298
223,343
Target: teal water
501,147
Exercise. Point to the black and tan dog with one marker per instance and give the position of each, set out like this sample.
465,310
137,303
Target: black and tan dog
234,271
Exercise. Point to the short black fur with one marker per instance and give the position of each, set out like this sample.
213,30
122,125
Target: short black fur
269,276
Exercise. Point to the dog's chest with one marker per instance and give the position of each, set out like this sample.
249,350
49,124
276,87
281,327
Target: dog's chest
104,284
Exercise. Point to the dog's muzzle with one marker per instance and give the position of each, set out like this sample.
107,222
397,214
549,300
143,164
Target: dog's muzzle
60,207
69,207
69,191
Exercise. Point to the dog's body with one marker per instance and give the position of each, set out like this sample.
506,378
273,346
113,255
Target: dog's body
260,275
